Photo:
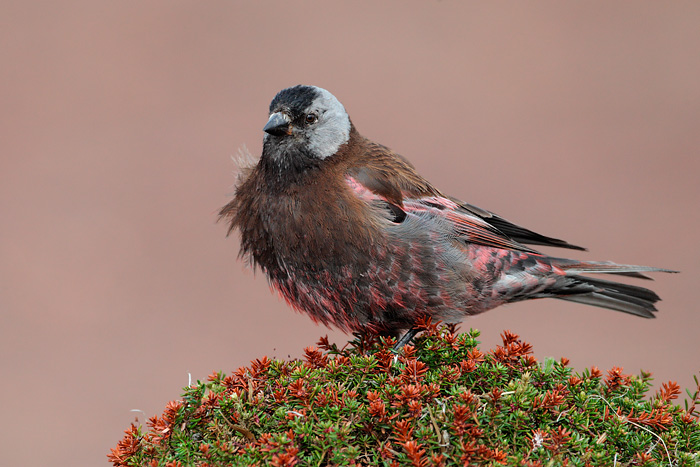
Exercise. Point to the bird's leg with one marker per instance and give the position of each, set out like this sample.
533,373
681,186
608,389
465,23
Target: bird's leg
406,338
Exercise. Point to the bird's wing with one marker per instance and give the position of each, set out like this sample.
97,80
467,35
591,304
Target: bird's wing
467,225
464,225
386,177
520,234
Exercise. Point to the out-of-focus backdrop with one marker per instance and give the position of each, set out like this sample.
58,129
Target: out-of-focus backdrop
118,121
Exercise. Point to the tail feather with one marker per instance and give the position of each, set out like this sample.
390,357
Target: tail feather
632,291
607,300
606,267
602,293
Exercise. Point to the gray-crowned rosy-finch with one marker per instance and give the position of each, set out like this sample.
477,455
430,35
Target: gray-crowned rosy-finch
349,233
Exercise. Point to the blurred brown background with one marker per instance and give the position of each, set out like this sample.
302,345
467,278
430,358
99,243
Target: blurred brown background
118,120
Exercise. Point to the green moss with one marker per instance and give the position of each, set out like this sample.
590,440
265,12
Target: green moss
440,402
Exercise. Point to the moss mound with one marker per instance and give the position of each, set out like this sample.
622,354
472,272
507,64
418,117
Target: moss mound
439,402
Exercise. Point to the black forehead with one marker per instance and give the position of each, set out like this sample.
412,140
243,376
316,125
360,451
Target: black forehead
295,99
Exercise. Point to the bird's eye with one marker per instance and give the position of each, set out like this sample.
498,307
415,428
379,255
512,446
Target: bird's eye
311,119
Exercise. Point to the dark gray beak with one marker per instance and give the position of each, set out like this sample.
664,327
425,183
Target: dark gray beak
279,124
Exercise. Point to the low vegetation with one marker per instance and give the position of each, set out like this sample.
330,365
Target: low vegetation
439,402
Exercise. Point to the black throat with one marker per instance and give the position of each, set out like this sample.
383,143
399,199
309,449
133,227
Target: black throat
284,166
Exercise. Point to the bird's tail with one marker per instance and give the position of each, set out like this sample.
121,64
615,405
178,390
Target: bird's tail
617,296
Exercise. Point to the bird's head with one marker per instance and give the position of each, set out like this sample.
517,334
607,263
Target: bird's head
307,124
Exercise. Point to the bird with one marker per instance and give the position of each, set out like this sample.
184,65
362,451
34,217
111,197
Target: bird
348,232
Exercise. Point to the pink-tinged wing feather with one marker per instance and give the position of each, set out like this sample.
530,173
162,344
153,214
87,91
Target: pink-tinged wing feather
471,228
393,179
